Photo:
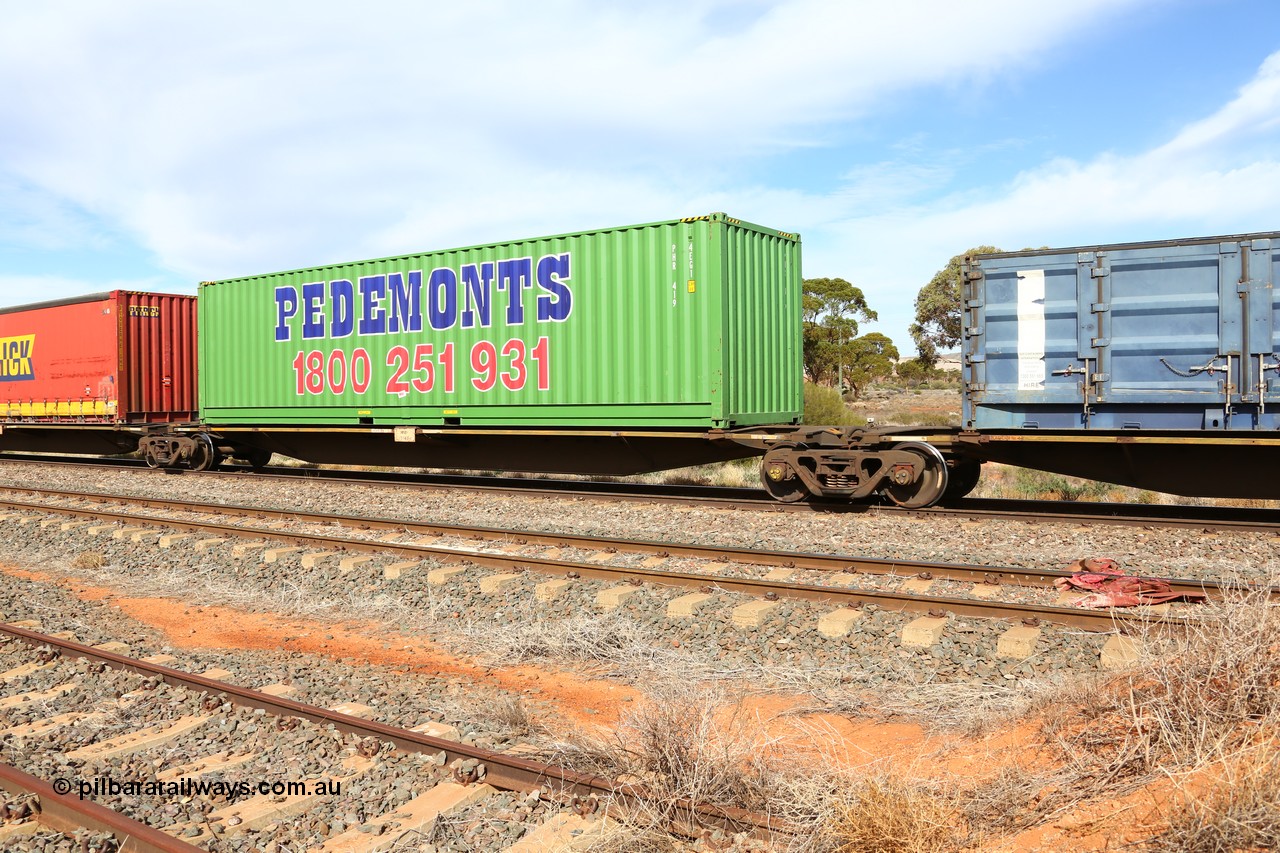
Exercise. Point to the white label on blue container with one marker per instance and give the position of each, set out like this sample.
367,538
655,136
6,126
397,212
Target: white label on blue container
1031,367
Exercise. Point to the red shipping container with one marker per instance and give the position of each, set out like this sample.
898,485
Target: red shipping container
107,358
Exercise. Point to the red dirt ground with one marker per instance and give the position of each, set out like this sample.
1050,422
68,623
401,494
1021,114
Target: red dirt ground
903,748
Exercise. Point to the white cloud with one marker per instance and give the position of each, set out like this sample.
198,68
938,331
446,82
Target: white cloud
237,137
1218,175
31,218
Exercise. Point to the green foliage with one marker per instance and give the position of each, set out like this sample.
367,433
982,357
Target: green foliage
938,321
869,358
824,407
916,373
832,308
1059,487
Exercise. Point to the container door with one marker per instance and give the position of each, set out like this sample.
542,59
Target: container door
1030,337
1255,289
1194,328
1176,332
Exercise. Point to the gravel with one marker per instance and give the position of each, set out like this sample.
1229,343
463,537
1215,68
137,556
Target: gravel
110,703
635,642
1177,553
638,639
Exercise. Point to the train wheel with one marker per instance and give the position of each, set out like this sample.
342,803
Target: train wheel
962,479
149,454
205,456
926,489
780,481
256,458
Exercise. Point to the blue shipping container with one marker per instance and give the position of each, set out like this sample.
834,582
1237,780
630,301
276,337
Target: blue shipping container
1168,336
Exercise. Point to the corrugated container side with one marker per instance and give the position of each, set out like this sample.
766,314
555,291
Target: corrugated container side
157,359
1177,335
681,323
762,333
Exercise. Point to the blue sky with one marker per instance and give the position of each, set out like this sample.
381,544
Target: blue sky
153,145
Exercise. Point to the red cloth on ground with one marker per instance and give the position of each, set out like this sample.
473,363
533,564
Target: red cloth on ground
1111,587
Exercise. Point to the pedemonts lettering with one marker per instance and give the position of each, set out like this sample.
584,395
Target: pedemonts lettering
441,299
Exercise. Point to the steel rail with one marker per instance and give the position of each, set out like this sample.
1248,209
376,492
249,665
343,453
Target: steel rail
508,772
1225,519
1090,620
67,813
784,559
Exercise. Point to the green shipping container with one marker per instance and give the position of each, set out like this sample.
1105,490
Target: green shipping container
693,323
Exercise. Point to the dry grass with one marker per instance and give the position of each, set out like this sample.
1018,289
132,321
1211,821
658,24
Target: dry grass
510,713
1192,708
690,743
89,560
1239,809
1196,698
891,816
606,642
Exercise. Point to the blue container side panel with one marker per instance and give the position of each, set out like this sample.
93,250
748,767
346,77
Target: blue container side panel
1165,337
1166,319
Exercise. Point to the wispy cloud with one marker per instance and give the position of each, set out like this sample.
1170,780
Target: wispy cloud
1217,175
235,137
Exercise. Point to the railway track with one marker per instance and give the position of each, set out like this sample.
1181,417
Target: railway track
618,563
39,808
58,719
1212,519
835,580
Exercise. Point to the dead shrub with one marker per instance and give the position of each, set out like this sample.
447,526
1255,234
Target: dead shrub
1011,800
89,560
510,713
1200,695
892,816
1239,809
688,744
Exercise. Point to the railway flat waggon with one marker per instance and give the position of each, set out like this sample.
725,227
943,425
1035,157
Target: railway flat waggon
1154,365
655,346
